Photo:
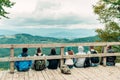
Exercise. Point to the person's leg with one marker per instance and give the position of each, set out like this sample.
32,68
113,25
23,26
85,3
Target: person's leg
17,67
70,66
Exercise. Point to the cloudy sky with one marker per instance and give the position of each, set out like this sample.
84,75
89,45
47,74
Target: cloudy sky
69,14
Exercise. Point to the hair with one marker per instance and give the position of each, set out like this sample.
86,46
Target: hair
91,47
109,47
53,51
24,54
70,52
24,50
38,50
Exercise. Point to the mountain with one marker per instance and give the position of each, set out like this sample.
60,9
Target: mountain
27,39
30,39
72,33
52,32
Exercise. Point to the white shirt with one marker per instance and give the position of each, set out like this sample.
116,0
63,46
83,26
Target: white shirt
80,61
68,61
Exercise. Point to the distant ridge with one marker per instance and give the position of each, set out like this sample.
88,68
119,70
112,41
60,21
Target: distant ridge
30,39
52,32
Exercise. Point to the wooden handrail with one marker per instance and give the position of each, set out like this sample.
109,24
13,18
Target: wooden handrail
12,59
6,59
58,44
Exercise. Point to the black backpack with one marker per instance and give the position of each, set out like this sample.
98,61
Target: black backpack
39,65
94,59
111,58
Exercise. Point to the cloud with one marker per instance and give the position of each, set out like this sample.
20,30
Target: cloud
52,13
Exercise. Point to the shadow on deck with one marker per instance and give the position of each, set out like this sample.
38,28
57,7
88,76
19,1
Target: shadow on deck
91,73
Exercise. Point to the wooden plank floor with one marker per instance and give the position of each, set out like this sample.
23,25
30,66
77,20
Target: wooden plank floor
92,73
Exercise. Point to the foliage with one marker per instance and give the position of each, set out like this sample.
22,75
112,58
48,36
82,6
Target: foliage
110,33
108,11
5,4
109,14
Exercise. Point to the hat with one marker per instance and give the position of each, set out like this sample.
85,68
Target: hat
69,48
80,48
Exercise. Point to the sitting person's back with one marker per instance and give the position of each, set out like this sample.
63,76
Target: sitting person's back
80,61
69,62
23,65
94,60
110,59
53,64
39,65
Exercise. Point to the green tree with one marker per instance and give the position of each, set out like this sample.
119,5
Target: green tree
108,12
5,4
110,33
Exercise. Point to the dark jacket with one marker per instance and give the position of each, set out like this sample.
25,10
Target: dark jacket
53,64
111,59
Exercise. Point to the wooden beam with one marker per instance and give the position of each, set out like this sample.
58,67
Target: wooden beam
104,58
6,59
12,62
58,44
62,54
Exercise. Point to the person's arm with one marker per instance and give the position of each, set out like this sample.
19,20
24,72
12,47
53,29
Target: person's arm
88,52
16,63
30,62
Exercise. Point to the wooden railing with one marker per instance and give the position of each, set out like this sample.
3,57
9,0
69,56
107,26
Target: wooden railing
12,59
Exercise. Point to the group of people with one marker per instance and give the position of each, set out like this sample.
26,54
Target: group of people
70,62
36,64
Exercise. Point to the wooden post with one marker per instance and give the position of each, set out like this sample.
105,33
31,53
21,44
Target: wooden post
62,54
104,58
12,62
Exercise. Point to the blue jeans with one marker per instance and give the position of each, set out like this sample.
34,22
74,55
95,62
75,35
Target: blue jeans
70,66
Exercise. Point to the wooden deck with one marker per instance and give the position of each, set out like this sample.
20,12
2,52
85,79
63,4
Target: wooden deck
92,73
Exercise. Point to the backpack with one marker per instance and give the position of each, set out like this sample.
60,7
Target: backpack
110,59
87,62
65,69
39,65
94,59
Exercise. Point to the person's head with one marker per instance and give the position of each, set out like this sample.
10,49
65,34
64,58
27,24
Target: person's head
70,52
69,48
24,54
109,47
53,51
91,47
80,49
24,50
38,50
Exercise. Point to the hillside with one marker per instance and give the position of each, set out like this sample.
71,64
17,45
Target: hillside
52,32
29,39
